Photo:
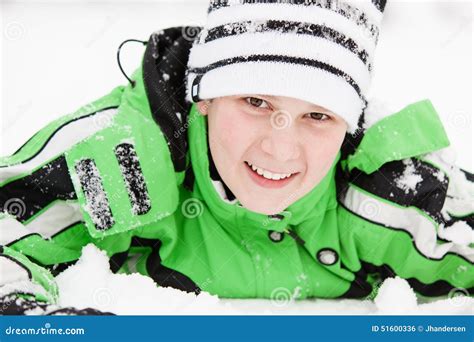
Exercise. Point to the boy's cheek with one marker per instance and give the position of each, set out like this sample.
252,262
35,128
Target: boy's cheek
233,132
320,160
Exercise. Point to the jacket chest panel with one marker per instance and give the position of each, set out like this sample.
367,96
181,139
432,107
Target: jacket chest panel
244,262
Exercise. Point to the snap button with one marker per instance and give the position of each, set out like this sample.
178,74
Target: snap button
275,236
327,256
276,217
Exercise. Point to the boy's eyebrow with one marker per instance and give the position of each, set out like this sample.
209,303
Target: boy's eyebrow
271,97
314,107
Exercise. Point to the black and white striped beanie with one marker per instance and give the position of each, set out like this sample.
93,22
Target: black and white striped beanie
319,51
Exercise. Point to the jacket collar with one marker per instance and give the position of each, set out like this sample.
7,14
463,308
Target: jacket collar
413,131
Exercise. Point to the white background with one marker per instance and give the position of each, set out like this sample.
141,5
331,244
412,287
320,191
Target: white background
58,55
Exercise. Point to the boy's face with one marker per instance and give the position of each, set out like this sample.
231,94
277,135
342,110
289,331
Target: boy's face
271,150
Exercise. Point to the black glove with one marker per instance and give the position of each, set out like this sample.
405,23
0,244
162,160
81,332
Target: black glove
16,304
82,312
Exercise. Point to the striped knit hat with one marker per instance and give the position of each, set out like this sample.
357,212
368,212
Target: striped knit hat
318,51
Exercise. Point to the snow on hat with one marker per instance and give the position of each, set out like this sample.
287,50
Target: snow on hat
318,51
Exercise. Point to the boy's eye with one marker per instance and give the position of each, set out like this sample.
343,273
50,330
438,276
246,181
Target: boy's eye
319,116
256,102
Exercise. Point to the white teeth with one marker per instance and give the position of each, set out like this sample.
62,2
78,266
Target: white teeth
267,174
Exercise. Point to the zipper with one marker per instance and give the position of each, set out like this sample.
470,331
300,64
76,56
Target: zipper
295,236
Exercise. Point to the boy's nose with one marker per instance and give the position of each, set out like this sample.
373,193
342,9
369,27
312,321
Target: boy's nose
281,144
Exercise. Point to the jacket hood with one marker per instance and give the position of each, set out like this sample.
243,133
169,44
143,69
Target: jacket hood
163,71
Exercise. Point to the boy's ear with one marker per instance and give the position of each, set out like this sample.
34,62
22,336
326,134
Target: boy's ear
203,106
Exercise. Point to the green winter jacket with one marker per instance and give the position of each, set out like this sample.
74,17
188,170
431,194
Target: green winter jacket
131,173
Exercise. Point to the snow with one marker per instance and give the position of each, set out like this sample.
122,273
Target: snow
395,295
90,283
459,187
440,176
409,179
459,233
22,286
377,109
460,195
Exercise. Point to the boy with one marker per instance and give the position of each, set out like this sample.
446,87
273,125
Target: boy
269,181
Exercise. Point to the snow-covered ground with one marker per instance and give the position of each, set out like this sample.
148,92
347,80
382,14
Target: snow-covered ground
90,284
56,56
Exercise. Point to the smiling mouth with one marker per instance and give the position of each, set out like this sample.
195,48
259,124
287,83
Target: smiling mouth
268,174
268,178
